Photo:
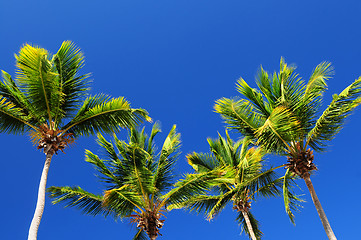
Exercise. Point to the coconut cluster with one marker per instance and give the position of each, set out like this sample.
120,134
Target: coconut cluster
301,162
52,140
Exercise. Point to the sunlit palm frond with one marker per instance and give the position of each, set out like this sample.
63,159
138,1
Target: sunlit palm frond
196,184
280,128
201,162
68,61
13,119
332,119
76,197
123,201
38,81
101,114
291,201
163,175
107,173
239,115
255,97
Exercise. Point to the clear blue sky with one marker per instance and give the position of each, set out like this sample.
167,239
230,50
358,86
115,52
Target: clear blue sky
175,58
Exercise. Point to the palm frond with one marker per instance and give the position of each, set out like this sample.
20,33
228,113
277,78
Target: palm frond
280,128
38,81
332,119
76,197
239,115
221,202
68,61
255,97
101,114
107,174
163,175
13,119
201,162
122,201
292,201
196,184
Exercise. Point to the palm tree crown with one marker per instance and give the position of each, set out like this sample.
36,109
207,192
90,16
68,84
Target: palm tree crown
49,99
249,180
136,178
283,115
48,90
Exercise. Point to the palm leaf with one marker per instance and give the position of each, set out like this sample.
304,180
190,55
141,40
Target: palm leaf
196,184
76,197
332,119
38,82
201,162
107,174
13,120
101,114
291,201
163,176
68,61
122,201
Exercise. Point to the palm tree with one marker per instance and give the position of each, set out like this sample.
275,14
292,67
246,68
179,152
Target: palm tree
283,116
249,180
49,100
135,177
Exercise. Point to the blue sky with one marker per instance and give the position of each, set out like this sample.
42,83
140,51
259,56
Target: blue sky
174,59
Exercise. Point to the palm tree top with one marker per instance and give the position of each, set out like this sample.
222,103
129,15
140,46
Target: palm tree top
49,97
285,109
135,177
245,179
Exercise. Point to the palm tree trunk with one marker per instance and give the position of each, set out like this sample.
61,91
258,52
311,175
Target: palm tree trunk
33,231
321,213
249,225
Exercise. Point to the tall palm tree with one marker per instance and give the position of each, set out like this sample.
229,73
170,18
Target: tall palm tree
249,180
49,99
135,177
284,117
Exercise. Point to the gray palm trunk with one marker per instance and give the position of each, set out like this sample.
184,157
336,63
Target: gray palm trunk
321,213
33,231
249,225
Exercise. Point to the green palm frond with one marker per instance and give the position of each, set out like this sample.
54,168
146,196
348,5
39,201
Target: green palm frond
332,119
10,91
280,128
108,147
291,201
255,97
163,176
196,184
68,61
255,225
201,162
123,201
38,80
76,197
107,173
239,115
317,84
155,130
199,203
221,203
13,119
102,114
